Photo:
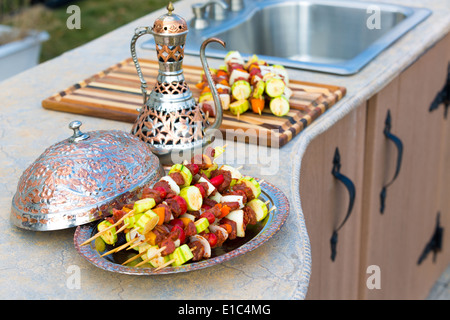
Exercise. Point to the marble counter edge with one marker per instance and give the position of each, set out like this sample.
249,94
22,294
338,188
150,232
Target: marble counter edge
348,104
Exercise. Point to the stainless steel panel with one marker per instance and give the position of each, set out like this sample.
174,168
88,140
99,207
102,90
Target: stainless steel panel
327,36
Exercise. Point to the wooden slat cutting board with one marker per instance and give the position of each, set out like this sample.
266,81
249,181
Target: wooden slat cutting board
115,94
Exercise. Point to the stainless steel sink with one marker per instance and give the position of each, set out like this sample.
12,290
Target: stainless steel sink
338,37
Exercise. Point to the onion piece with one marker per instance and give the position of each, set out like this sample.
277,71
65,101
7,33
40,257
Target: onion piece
233,198
238,217
215,228
204,243
210,188
173,185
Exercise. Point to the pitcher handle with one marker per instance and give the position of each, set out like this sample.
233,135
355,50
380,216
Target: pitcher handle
217,104
139,32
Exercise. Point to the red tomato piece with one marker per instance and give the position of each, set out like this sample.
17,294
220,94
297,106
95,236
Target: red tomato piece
208,215
202,190
182,235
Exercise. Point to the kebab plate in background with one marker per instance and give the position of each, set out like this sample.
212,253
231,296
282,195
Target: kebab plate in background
243,86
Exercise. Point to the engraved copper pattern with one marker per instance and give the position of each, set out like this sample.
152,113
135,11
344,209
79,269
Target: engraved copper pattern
83,177
170,53
170,26
170,128
175,87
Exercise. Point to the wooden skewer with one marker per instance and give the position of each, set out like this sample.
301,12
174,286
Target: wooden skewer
151,258
107,229
119,248
267,202
123,228
140,255
165,264
273,208
261,181
135,230
96,235
124,217
239,168
170,262
134,257
224,147
135,245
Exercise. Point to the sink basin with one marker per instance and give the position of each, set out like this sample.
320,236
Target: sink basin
338,37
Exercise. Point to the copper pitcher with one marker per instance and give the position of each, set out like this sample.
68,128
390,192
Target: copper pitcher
171,120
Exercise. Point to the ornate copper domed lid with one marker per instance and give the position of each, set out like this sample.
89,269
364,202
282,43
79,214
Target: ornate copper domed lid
169,23
80,179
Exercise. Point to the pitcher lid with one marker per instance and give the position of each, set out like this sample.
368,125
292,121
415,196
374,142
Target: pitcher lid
170,23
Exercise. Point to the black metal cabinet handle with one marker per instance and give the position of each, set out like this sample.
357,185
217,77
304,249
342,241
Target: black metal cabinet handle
443,96
352,192
435,243
398,143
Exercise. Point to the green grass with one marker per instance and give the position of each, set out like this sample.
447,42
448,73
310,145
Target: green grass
98,17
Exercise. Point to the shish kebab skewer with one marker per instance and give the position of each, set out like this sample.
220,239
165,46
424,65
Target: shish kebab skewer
238,214
218,152
169,262
103,231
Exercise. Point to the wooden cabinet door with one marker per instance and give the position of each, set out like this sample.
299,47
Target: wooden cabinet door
395,239
443,257
442,79
325,201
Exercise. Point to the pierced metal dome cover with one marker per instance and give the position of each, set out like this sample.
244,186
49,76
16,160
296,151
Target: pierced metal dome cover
169,23
78,180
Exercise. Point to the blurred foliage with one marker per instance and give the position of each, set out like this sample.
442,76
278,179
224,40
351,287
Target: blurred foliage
98,17
12,14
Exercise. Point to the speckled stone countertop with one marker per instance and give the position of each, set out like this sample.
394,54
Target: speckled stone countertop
39,265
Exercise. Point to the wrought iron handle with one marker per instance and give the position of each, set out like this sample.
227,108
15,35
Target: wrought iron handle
351,191
435,243
443,96
398,143
139,32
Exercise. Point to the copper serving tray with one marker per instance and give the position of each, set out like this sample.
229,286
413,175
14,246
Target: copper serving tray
255,236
